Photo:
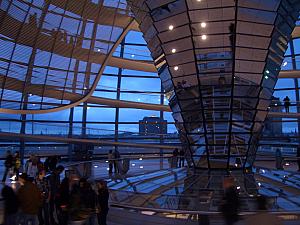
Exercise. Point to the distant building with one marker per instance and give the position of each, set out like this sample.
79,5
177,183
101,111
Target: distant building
153,125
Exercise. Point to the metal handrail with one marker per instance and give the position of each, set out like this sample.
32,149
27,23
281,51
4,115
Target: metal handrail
196,212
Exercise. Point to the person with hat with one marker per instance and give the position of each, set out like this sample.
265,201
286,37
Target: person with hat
30,200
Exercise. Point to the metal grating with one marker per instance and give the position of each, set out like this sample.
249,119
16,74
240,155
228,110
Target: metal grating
52,51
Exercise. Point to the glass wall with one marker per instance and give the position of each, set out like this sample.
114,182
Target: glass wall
283,131
100,121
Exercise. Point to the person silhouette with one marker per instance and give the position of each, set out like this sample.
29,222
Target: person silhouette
287,104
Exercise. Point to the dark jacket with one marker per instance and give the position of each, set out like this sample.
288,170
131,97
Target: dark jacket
231,205
11,203
9,161
30,198
103,196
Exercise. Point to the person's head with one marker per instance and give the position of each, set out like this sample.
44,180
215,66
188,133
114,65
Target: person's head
31,157
262,202
82,182
228,182
17,153
42,174
7,192
59,169
101,184
23,178
73,179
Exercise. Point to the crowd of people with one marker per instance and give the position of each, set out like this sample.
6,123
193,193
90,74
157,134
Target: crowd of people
44,198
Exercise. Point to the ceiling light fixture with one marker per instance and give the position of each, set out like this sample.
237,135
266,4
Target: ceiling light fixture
173,50
171,27
204,37
203,25
176,68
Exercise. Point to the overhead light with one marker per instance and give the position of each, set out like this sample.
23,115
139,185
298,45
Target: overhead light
173,50
176,68
275,104
267,71
203,25
285,63
198,0
140,159
259,184
133,164
132,56
141,167
171,27
204,37
85,88
266,77
98,50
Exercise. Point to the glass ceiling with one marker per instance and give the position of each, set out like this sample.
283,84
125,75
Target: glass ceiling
53,51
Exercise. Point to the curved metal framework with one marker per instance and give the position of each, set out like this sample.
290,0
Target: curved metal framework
51,50
219,62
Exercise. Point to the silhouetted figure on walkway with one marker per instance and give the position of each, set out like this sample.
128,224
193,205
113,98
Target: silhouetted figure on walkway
231,203
262,217
181,159
33,20
102,202
175,157
17,164
11,206
8,163
298,157
117,157
287,104
110,158
279,159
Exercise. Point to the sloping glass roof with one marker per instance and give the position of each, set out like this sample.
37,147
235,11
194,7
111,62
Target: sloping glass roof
52,53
